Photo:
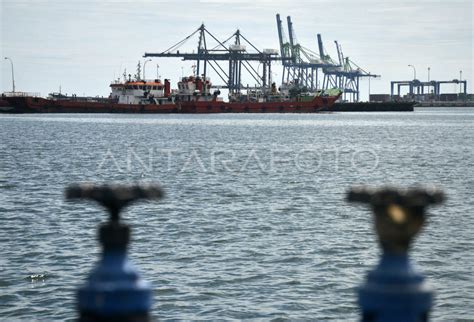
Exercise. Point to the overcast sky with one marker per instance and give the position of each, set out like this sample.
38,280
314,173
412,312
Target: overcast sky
82,45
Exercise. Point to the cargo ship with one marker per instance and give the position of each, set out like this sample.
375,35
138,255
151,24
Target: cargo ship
193,95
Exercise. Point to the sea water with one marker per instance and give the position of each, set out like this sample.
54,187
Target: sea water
254,224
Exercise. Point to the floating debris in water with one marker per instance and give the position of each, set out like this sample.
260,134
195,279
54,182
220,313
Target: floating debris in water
36,277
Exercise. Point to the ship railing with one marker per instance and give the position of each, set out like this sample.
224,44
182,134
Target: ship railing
21,94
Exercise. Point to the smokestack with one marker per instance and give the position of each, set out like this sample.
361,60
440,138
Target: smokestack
167,88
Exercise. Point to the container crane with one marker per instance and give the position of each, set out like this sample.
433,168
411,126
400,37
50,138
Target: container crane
300,64
346,75
285,51
332,72
352,73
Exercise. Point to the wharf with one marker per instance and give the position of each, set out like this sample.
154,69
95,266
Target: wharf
446,104
374,107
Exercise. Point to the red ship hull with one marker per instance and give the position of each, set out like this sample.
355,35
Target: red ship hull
318,104
41,105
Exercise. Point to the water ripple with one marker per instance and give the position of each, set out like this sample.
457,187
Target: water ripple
254,225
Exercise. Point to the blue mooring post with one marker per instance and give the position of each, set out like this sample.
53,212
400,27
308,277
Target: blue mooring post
114,290
393,291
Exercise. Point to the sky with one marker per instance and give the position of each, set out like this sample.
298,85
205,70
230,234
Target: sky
81,46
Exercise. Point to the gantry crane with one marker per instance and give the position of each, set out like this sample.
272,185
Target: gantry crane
300,64
417,87
346,75
332,72
235,54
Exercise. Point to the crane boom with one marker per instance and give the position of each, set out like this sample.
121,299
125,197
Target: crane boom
321,49
340,57
280,36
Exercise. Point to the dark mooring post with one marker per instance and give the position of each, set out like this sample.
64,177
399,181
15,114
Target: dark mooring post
114,291
393,291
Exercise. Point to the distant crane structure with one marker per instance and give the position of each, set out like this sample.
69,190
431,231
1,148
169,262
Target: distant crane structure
300,64
346,75
235,55
331,73
417,87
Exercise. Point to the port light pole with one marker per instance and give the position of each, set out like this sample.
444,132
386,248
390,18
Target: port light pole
144,65
13,73
414,71
429,68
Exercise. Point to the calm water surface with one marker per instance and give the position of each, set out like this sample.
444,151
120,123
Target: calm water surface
254,224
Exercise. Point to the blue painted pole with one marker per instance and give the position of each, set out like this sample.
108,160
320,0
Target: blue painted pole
114,291
393,290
